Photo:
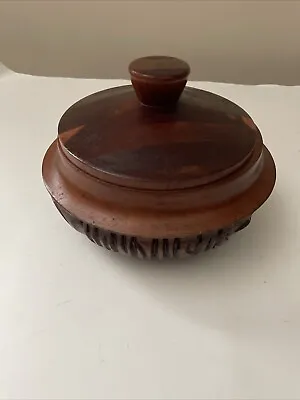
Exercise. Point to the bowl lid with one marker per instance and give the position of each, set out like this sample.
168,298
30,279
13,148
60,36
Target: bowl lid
156,134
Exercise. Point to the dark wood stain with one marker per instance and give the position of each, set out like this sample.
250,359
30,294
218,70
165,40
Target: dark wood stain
156,170
196,139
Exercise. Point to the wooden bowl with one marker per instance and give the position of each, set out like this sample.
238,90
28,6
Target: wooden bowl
156,170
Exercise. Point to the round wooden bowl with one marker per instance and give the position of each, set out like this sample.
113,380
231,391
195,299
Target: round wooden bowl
156,170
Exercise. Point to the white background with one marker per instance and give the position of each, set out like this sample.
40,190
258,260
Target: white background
77,322
240,41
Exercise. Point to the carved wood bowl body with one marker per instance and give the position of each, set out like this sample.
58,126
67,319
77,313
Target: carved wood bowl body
156,170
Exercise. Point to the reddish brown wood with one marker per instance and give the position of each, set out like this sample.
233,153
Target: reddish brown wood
158,80
154,248
116,139
149,164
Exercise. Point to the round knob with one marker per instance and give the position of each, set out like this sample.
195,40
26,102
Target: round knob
158,80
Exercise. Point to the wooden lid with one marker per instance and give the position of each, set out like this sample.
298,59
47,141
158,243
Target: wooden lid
156,159
147,138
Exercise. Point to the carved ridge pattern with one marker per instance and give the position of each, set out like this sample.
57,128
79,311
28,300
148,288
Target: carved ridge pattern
152,248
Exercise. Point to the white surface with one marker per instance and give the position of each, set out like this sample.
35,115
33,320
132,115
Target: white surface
80,323
242,41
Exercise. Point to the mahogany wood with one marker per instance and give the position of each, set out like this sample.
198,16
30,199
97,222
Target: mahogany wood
161,168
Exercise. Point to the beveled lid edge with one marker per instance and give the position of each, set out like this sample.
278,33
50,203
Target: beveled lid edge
147,68
161,225
136,183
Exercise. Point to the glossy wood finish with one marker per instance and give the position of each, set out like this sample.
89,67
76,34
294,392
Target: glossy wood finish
113,137
159,80
147,164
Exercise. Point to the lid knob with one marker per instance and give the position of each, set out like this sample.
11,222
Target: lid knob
158,81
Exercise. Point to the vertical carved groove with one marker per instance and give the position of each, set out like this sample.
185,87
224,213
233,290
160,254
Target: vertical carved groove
96,236
124,244
141,253
176,246
152,248
113,242
132,247
209,244
165,248
199,244
105,241
86,229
